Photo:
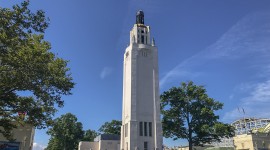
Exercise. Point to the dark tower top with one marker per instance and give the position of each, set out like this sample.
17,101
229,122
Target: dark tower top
140,17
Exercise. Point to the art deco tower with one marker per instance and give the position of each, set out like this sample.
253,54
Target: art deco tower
141,126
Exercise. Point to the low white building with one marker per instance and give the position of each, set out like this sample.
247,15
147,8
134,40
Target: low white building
24,136
102,142
224,142
194,147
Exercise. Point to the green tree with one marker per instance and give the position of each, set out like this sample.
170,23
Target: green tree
32,79
113,127
65,133
54,144
188,113
89,135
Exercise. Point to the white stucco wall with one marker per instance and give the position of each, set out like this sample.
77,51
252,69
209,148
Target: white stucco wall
109,145
100,145
88,145
24,134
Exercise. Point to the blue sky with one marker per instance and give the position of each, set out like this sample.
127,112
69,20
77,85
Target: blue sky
221,44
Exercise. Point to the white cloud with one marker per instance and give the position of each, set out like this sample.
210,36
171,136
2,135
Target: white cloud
249,36
256,104
245,87
255,39
37,146
177,73
261,93
246,42
106,71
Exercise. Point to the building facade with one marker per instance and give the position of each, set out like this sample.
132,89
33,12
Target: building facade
258,141
244,127
141,125
102,142
24,137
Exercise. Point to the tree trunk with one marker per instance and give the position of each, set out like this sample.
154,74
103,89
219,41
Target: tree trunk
190,144
189,132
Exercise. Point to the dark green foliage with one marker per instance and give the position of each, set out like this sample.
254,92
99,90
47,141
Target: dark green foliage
65,133
113,127
54,144
89,135
27,67
188,113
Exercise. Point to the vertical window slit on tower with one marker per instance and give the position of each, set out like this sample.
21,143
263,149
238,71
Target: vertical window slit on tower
145,128
150,128
142,39
141,128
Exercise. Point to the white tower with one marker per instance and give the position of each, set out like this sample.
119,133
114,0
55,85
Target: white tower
141,126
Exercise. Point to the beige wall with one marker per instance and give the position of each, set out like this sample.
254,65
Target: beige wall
88,145
243,141
251,141
100,145
109,145
24,135
261,141
194,147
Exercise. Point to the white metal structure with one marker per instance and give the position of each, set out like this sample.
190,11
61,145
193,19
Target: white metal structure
246,125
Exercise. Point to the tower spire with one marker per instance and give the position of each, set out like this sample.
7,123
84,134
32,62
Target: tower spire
140,17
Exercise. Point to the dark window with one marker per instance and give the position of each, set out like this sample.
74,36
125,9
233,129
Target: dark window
142,31
142,39
145,145
263,144
141,128
144,53
150,128
145,128
145,39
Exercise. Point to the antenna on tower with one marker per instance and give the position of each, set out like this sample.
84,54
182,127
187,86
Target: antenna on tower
243,121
